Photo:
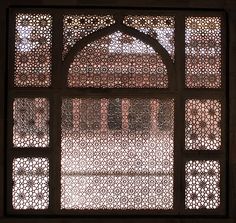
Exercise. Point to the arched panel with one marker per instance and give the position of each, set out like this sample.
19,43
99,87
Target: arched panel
118,60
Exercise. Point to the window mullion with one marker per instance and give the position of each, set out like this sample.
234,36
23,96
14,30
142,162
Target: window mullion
55,114
179,115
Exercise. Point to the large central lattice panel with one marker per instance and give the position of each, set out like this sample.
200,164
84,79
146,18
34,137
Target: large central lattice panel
117,153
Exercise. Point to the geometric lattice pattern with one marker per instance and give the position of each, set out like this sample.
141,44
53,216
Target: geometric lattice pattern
33,42
202,124
31,122
75,27
161,28
30,183
115,61
202,184
117,153
203,52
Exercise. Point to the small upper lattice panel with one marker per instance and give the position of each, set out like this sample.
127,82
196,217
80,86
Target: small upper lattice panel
203,52
30,187
75,27
203,125
33,42
202,184
31,122
162,28
118,61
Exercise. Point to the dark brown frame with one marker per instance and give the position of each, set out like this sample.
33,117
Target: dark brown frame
58,89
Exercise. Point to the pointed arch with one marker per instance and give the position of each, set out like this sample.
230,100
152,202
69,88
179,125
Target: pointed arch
164,65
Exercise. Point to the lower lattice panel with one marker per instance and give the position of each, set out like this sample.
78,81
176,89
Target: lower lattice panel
30,183
202,184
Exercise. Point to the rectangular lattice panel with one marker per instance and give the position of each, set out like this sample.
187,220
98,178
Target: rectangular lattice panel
202,124
203,52
30,183
31,122
202,189
33,43
117,153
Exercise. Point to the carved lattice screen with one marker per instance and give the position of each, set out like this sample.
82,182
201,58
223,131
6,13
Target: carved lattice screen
116,112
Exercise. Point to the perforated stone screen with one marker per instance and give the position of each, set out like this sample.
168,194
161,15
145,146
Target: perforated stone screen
117,153
127,106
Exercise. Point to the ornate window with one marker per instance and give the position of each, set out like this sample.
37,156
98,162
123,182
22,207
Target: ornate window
119,113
